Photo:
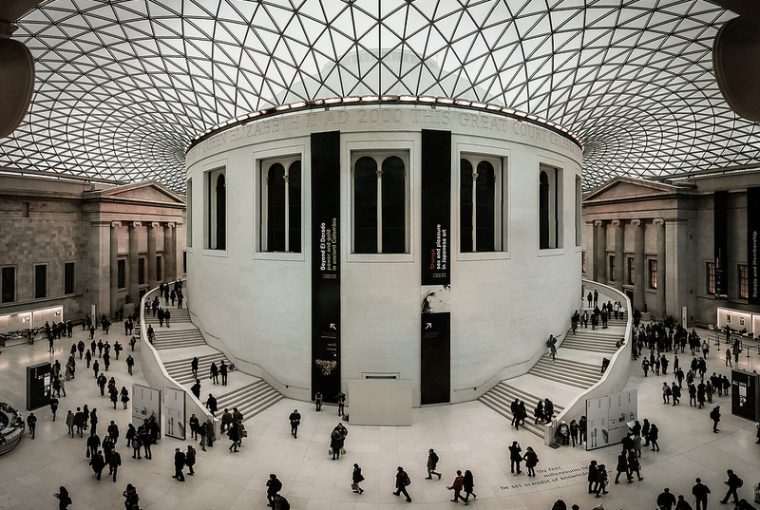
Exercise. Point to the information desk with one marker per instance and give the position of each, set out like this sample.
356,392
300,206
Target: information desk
11,427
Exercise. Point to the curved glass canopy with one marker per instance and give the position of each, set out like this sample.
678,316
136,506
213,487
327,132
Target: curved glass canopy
124,85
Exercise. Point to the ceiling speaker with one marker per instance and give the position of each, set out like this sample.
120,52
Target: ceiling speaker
736,60
16,84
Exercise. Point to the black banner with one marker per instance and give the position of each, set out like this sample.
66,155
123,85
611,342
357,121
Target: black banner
744,394
720,226
435,350
753,244
325,260
436,206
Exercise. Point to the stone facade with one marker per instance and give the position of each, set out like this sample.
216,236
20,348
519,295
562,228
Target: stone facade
635,227
55,222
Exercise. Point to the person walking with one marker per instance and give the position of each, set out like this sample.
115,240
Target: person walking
295,421
70,422
531,460
64,500
114,461
190,456
273,487
592,472
340,398
622,467
654,435
31,421
318,401
211,404
515,457
715,417
214,371
666,500
124,396
130,364
93,443
457,485
733,482
432,462
98,463
356,479
469,486
179,463
402,482
602,480
634,465
131,498
700,492
234,434
53,406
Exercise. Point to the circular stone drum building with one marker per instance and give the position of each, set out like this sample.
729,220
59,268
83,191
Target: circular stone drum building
432,241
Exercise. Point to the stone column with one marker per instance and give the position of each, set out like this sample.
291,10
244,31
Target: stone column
619,254
638,265
600,252
169,252
114,267
132,290
660,224
151,262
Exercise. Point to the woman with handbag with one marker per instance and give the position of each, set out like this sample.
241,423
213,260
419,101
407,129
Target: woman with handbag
356,479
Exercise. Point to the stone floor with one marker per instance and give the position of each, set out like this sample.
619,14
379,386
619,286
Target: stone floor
466,436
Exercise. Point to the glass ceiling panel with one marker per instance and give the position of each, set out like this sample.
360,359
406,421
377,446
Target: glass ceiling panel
122,87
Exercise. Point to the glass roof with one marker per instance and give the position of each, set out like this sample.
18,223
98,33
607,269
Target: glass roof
124,85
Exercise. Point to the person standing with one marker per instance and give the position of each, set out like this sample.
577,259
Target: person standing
432,462
190,459
318,400
515,457
131,499
196,389
700,493
356,479
340,398
223,372
31,421
70,422
531,460
457,485
179,463
273,487
194,423
402,482
114,461
715,417
214,371
654,435
733,482
601,479
295,421
666,500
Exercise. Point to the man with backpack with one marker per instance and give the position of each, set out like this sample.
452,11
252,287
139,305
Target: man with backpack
402,482
715,417
734,483
432,462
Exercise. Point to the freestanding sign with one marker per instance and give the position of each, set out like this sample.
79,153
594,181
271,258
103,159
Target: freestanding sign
174,404
39,381
609,418
325,264
745,394
146,402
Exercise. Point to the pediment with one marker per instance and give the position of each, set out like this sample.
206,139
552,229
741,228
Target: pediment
143,192
624,187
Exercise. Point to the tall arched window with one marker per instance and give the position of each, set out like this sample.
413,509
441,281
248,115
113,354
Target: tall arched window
380,213
280,205
482,204
216,210
549,207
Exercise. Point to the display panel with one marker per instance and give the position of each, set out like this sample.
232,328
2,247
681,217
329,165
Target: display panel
744,394
146,403
39,381
174,402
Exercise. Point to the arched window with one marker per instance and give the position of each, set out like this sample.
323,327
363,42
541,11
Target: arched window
380,215
215,190
549,207
482,204
543,210
280,208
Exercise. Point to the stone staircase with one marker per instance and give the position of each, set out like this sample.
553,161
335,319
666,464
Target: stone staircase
178,315
251,399
181,370
503,394
573,373
168,338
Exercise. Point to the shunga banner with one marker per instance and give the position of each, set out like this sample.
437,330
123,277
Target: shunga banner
721,243
753,245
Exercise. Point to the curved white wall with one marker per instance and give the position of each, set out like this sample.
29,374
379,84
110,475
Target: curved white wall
503,305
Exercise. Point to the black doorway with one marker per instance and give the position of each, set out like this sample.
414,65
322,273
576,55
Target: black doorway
435,383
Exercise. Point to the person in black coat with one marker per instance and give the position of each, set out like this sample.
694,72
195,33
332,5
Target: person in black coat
114,461
666,500
234,434
700,492
356,479
223,373
295,421
592,473
515,457
64,500
179,463
190,459
715,417
273,487
98,463
196,389
214,371
733,483
211,404
622,467
93,443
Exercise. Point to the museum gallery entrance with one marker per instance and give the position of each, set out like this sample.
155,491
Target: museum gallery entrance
435,377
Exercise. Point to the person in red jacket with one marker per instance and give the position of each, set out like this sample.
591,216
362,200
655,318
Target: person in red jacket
457,486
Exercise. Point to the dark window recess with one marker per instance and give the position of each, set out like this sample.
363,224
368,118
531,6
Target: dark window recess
221,213
68,278
365,206
394,206
141,270
276,208
294,204
9,284
184,262
159,273
465,206
121,266
40,281
485,196
543,211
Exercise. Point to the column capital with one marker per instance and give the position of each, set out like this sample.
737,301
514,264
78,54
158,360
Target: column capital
636,223
660,222
115,224
153,224
615,223
598,223
136,224
170,224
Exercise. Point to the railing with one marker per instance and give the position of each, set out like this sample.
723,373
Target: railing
618,371
155,372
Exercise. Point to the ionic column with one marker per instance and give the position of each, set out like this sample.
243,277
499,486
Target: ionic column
114,267
169,252
638,265
619,256
152,270
132,292
660,224
600,252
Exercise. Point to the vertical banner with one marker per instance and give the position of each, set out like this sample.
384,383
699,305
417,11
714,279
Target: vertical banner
720,224
174,402
325,264
753,244
436,206
146,405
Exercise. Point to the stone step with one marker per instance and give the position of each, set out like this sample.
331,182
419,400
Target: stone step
564,376
571,364
591,348
501,396
186,361
250,399
179,344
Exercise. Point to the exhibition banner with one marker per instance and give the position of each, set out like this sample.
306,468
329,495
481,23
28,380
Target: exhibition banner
753,244
609,418
720,235
325,260
146,402
436,206
174,403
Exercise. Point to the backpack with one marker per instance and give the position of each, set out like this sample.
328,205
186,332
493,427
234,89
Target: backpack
739,482
406,480
284,505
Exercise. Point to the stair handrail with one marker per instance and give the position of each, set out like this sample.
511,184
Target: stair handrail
620,364
150,358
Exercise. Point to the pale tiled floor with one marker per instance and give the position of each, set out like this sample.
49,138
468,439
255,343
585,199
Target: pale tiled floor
466,436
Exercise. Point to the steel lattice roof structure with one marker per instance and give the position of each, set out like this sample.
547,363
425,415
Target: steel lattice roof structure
123,86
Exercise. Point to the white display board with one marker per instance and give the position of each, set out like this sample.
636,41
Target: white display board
608,418
738,320
174,405
145,402
380,401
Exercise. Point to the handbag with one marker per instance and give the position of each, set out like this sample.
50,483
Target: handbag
342,451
